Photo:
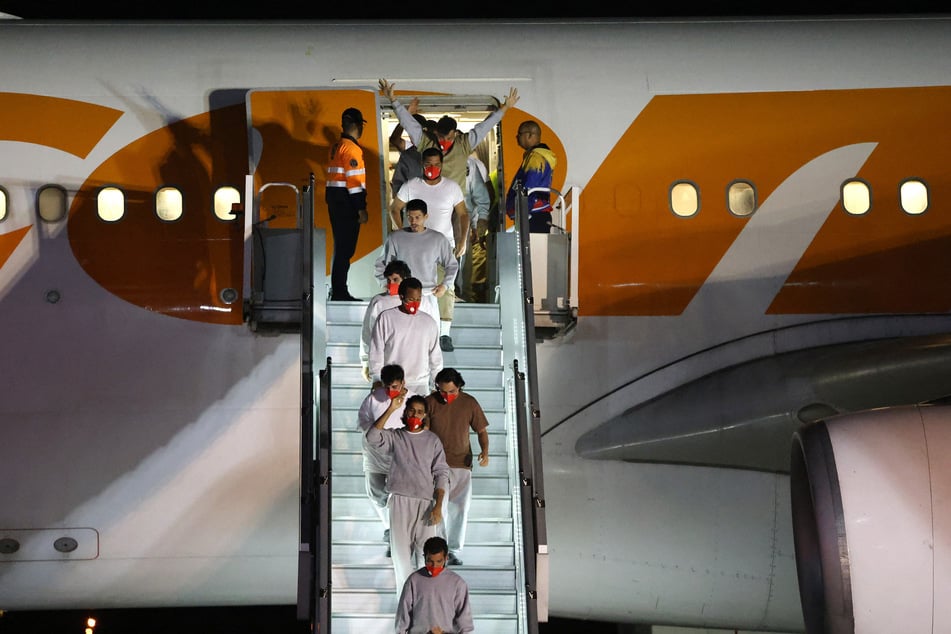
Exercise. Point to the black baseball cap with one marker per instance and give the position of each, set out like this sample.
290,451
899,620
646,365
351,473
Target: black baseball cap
353,115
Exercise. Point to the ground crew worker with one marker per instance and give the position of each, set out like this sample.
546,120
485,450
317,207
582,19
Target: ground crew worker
346,198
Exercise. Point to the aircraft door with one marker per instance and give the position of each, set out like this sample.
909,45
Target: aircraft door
291,133
468,110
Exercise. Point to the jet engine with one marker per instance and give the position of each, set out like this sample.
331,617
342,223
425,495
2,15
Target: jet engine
871,507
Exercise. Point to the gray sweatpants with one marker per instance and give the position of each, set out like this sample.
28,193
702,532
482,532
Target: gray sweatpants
409,530
457,504
376,491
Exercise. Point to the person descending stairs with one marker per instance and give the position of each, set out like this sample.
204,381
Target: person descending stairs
364,596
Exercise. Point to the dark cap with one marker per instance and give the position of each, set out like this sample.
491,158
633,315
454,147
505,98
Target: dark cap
445,125
352,115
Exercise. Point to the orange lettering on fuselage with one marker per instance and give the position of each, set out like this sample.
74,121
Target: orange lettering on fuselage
638,258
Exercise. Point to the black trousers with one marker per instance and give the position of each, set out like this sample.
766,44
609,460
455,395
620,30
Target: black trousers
539,222
345,225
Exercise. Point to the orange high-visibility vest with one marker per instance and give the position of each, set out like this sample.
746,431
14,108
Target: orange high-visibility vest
346,170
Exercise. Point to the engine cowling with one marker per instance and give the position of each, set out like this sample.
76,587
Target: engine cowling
871,507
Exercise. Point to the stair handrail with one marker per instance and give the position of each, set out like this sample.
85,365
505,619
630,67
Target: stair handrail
314,556
522,414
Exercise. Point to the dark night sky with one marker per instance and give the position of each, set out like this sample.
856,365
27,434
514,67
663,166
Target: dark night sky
376,9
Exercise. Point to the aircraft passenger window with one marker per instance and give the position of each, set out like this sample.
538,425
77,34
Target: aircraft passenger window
741,198
168,204
3,204
110,204
856,197
51,203
914,197
225,197
684,199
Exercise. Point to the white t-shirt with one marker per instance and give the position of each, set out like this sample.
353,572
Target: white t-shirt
440,198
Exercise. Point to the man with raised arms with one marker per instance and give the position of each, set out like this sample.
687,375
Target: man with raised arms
455,146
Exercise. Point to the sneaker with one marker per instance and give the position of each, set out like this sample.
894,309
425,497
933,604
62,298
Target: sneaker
445,342
343,297
453,560
386,535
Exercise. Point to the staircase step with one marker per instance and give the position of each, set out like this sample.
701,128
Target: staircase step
464,313
470,356
383,624
370,531
352,374
500,554
351,397
351,438
344,483
462,334
356,506
352,463
381,577
372,602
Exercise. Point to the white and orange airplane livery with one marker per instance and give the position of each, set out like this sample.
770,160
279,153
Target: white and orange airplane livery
740,406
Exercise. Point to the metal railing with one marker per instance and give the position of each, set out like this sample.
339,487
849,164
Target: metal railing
523,416
314,556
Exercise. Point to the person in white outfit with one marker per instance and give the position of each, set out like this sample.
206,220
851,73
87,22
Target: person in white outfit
418,480
394,274
408,337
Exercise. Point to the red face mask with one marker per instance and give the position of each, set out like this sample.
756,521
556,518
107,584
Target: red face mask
413,423
393,393
432,172
433,570
449,398
393,288
411,307
445,144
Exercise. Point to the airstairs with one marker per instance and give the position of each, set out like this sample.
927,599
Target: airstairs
346,583
364,592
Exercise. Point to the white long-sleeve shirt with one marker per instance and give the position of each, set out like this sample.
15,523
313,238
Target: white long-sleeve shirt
411,341
378,303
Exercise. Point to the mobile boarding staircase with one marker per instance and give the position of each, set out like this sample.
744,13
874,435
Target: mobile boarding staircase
346,583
